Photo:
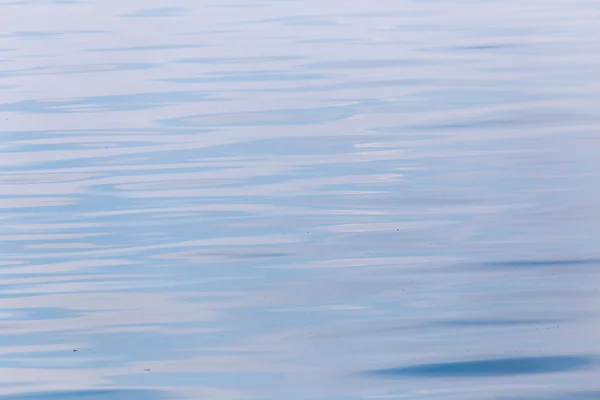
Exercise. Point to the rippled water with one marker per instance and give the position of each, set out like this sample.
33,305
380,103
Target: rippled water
260,199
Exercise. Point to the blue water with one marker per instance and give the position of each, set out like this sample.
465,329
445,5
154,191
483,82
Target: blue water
260,199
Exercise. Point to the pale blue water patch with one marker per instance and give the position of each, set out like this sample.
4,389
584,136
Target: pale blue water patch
573,395
42,35
266,118
240,60
157,12
360,64
43,313
150,48
116,394
254,77
124,102
41,2
304,20
76,69
73,69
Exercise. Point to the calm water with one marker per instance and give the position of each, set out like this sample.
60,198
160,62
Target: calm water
285,199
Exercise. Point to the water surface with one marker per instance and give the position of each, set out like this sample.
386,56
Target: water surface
254,199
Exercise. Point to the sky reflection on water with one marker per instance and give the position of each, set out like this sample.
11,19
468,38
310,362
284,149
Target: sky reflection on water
300,200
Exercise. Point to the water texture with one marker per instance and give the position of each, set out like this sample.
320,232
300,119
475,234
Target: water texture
259,199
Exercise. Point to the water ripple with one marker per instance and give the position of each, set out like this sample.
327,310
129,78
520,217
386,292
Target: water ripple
497,367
